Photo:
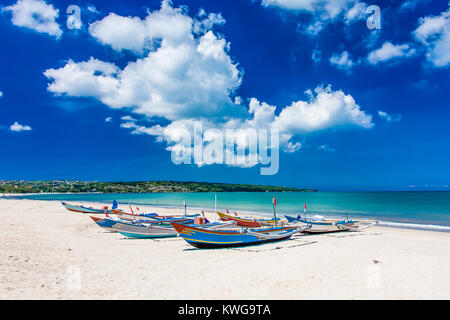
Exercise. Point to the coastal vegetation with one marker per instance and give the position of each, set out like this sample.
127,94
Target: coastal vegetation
71,186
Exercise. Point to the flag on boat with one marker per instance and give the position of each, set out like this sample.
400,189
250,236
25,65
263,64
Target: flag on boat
131,209
114,206
304,210
274,201
137,208
235,213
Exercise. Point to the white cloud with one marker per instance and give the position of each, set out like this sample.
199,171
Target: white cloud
331,7
1,94
343,61
189,77
206,22
36,15
16,127
390,51
109,119
128,118
135,34
356,13
325,147
434,33
389,117
91,8
325,109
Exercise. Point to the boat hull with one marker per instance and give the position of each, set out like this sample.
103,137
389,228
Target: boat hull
203,245
106,224
243,222
207,238
144,232
81,209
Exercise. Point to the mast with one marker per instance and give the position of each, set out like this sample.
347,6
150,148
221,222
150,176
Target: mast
274,201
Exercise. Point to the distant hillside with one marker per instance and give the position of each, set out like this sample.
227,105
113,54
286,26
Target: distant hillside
134,187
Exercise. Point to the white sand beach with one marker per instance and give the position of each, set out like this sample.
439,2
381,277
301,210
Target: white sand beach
48,252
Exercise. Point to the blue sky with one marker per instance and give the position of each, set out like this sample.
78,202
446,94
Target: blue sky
375,116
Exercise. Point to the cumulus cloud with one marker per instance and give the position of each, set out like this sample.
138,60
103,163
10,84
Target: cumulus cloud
109,119
323,110
389,117
188,77
16,127
389,51
36,15
1,94
434,33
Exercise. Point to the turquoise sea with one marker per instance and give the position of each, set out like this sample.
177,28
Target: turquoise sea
428,210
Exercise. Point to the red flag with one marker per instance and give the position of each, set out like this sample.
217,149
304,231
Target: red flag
228,211
274,201
305,208
137,208
235,213
131,209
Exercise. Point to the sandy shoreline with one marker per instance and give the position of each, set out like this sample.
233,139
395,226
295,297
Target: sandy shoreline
51,253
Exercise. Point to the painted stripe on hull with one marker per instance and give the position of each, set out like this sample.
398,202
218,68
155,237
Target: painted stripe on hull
146,236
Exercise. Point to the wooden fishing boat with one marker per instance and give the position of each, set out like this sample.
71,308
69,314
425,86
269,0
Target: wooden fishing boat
246,222
144,231
149,228
201,237
83,209
133,216
106,224
319,224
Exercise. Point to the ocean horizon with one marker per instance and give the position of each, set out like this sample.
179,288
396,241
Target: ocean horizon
408,209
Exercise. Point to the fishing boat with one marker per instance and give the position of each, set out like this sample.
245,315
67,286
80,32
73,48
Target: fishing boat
143,231
133,216
149,228
247,222
318,224
105,223
206,238
83,209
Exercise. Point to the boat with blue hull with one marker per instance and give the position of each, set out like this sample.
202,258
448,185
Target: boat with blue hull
83,209
149,228
105,223
204,238
319,224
